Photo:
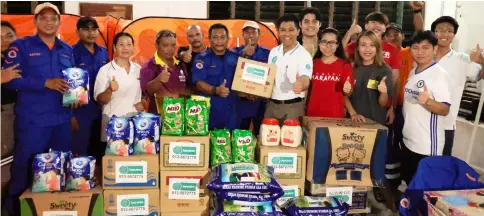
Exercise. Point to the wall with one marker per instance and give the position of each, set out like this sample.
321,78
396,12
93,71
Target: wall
197,9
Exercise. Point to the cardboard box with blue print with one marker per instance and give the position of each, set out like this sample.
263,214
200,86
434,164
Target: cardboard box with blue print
133,172
343,152
359,195
132,202
254,78
75,203
189,153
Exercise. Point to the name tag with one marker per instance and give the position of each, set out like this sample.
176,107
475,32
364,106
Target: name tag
372,84
182,78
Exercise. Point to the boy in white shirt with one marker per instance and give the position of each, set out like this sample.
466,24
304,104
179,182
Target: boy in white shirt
427,101
460,68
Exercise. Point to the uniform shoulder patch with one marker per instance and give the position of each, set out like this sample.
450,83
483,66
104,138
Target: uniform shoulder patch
274,59
199,64
308,66
12,53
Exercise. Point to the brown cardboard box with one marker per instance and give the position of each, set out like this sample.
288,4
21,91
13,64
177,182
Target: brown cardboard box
254,77
345,152
200,213
289,163
290,190
80,203
359,196
184,151
133,172
132,202
182,186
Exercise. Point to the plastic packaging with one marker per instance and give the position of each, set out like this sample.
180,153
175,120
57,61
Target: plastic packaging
243,146
173,116
80,173
270,132
78,81
220,149
120,132
147,133
291,133
233,208
248,196
48,172
196,118
321,206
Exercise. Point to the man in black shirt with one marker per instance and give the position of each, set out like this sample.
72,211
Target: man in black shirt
188,53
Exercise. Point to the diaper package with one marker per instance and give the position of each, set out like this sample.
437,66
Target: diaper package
48,172
80,173
78,80
321,206
244,177
120,132
147,133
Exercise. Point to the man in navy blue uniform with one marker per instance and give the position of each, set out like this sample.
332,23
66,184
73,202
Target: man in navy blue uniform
87,119
251,108
41,120
212,75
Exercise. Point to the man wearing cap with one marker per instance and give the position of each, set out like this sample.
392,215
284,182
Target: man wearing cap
90,57
188,53
42,122
250,108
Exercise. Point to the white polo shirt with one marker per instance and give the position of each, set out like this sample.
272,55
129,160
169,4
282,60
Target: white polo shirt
460,69
123,100
423,131
297,60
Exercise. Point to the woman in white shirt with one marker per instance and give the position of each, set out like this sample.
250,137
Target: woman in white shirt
117,86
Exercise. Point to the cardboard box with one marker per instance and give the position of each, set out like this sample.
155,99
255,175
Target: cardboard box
359,196
132,202
188,153
347,153
78,203
254,77
202,213
291,190
184,191
133,172
289,163
442,203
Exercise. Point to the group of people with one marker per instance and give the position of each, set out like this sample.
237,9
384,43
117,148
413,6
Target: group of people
415,91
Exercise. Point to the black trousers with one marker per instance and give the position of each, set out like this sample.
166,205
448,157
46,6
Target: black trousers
409,163
449,142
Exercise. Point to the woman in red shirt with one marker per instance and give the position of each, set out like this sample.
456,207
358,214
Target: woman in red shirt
332,77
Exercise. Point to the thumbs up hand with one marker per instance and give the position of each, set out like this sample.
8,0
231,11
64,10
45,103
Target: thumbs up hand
423,97
222,91
355,28
113,85
297,87
187,56
382,87
164,75
416,5
347,86
476,55
249,49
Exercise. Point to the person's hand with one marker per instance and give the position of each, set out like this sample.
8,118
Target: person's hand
355,28
242,94
187,56
252,97
76,105
139,107
347,86
423,97
113,85
74,125
57,84
416,5
382,87
476,55
358,118
390,116
297,87
10,73
249,49
164,75
222,91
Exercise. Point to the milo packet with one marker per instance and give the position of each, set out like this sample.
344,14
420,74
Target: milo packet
196,118
173,115
243,146
220,151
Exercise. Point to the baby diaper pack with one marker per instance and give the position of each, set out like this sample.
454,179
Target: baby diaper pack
147,133
48,172
80,173
120,134
78,80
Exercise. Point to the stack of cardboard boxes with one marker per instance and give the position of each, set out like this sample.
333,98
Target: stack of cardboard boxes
184,175
131,185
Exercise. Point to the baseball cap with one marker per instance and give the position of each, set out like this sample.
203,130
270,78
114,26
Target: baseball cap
251,24
45,5
85,22
395,26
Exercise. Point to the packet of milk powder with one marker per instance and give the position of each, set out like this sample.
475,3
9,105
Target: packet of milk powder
120,132
243,146
78,81
220,150
48,169
196,117
80,173
173,115
146,133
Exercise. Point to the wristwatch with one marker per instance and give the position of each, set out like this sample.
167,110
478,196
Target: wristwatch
417,11
214,90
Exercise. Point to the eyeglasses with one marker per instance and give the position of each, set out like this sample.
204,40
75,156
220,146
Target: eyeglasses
328,43
444,31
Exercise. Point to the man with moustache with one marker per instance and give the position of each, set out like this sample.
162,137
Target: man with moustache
188,53
42,122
